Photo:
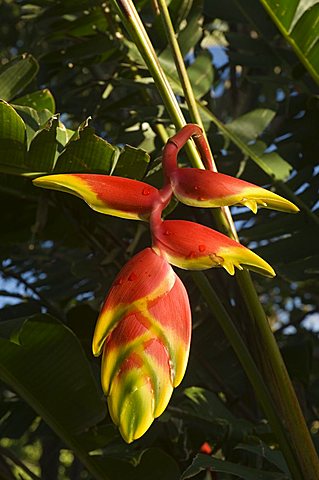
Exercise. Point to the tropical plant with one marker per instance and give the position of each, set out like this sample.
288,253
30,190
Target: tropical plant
251,89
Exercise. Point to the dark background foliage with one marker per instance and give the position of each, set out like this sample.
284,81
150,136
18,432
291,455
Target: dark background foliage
58,258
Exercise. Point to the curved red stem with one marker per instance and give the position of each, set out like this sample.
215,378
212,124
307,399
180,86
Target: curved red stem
175,143
165,195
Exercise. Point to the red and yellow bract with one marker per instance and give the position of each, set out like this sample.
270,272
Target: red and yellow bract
117,196
145,326
192,246
204,188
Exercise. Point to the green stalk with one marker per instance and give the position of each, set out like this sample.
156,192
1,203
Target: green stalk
273,368
249,366
180,65
135,28
222,215
277,378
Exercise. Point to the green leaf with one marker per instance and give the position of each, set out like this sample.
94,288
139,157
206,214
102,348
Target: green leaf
280,168
206,404
298,22
201,74
33,119
203,462
204,407
272,456
86,152
239,136
250,125
12,140
46,366
132,163
39,100
49,370
43,150
16,75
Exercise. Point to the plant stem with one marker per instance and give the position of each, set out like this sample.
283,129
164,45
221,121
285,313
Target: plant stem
222,216
135,28
278,381
275,371
180,65
249,366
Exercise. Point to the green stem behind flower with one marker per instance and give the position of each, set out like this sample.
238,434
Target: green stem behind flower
249,366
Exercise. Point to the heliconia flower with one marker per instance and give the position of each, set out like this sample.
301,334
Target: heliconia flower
203,188
117,196
144,330
192,246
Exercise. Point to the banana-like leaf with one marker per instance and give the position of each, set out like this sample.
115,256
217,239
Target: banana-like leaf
298,22
16,75
39,100
45,364
203,462
13,144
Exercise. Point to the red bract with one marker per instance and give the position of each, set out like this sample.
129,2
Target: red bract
192,246
203,188
117,196
145,325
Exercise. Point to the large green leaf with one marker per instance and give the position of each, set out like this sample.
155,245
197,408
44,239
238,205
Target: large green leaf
33,119
273,456
86,152
45,364
12,140
298,21
204,462
39,100
201,74
132,163
251,124
206,405
43,150
16,75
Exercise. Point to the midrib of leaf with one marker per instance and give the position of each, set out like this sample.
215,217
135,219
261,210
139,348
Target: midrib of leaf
302,57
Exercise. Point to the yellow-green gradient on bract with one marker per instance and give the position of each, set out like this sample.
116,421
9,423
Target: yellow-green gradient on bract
144,278
146,344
